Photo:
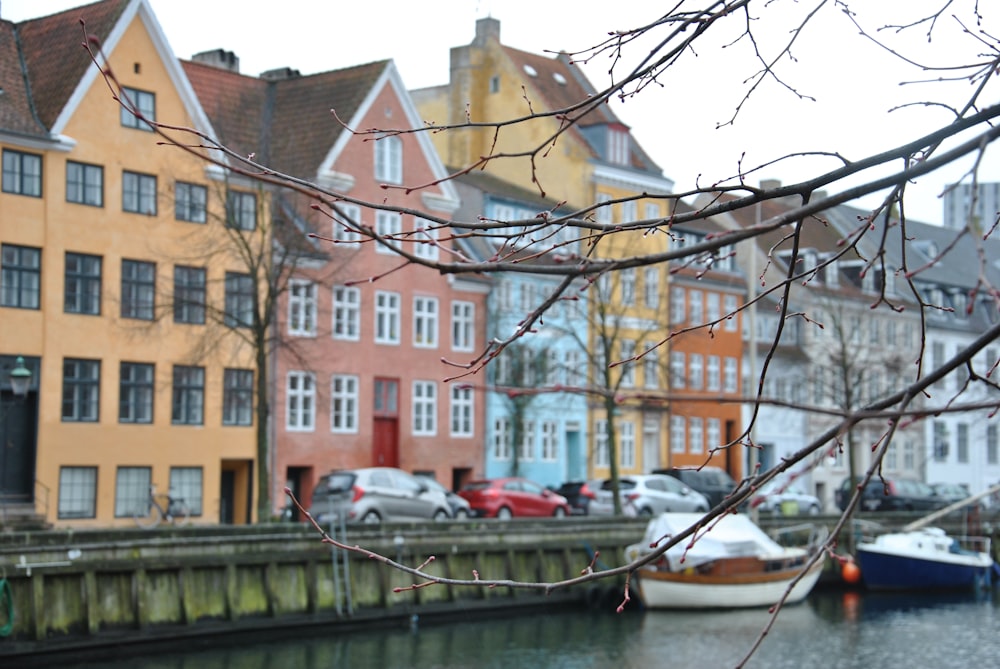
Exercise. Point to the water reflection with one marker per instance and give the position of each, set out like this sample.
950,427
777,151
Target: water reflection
839,630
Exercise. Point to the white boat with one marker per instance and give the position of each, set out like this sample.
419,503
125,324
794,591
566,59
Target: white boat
735,564
925,559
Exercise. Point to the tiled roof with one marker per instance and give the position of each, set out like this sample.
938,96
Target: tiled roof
286,123
54,55
15,108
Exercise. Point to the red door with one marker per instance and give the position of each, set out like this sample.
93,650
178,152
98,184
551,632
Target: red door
385,431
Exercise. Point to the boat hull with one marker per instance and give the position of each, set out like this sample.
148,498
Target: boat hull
690,590
881,570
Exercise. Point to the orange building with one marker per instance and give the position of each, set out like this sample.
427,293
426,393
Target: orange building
97,224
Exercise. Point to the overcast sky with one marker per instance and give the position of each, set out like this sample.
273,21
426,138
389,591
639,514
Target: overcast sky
854,84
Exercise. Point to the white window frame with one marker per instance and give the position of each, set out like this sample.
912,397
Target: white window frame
651,369
501,439
712,372
730,375
696,435
424,409
346,315
574,377
601,458
462,413
712,314
526,449
425,239
678,308
696,309
301,308
730,305
626,453
463,325
550,441
344,231
696,371
389,159
626,349
651,287
388,225
300,401
678,434
713,433
627,281
678,369
387,317
344,403
425,321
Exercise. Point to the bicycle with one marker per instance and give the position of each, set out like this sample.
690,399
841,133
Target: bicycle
152,513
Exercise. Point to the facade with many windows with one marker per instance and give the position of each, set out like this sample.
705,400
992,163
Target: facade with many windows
94,294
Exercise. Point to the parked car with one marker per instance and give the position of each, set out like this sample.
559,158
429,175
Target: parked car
712,482
459,507
951,492
891,494
374,495
648,495
512,496
785,499
578,494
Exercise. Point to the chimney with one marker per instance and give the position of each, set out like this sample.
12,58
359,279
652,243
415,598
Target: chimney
220,58
487,29
280,74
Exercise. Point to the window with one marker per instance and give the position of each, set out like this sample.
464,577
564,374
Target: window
696,314
501,439
730,305
139,193
618,146
425,322
553,372
678,371
300,402
20,276
135,392
82,292
81,391
237,397
389,160
186,484
424,408
301,308
696,372
138,289
346,313
22,173
526,452
188,401
962,443
992,444
651,369
346,219
239,300
463,319
131,490
386,317
730,381
940,441
627,352
603,213
84,184
714,433
678,434
627,455
630,211
550,441
628,286
189,295
651,287
677,309
77,492
712,371
343,403
574,375
696,435
241,210
425,240
142,102
389,226
712,307
601,457
190,202
461,411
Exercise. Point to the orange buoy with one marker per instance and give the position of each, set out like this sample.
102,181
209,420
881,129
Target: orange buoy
850,572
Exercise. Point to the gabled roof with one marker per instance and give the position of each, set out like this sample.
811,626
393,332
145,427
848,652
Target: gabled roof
287,122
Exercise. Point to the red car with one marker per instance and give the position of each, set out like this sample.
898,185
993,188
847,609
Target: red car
508,497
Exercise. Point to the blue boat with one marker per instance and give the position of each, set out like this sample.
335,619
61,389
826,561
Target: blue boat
925,559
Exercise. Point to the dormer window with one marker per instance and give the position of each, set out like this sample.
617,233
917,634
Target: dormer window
618,146
389,160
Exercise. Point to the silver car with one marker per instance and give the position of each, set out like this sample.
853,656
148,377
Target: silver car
785,499
374,495
648,495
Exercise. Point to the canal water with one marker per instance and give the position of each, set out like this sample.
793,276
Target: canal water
834,630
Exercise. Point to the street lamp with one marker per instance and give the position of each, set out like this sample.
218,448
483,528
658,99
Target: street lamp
20,378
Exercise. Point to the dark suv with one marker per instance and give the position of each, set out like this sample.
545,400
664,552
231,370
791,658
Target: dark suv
891,494
712,482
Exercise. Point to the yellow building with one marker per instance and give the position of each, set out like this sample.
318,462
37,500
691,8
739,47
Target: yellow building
595,162
107,290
